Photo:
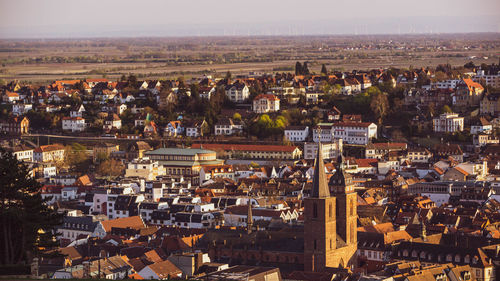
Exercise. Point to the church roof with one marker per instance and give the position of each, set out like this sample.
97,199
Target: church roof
320,185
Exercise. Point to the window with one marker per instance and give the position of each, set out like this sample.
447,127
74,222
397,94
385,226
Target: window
315,215
330,211
315,244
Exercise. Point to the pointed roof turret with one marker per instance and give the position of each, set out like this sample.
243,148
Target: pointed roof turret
341,180
320,185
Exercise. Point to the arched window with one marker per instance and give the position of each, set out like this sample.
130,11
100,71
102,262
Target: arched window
457,258
449,257
422,255
467,259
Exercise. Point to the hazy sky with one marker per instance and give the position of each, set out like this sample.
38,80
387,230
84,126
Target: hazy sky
98,18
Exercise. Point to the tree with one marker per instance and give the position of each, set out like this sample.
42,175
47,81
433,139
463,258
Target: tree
111,168
446,109
324,70
305,69
298,68
379,105
28,225
237,116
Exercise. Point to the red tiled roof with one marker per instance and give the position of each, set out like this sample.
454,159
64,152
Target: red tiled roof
267,96
50,147
134,222
246,147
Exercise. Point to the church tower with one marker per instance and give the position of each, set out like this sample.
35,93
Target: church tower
319,221
343,189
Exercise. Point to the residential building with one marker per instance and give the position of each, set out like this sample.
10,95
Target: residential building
103,151
331,150
15,126
228,127
468,93
297,133
265,103
73,124
112,122
448,123
217,171
49,153
482,126
237,92
23,153
379,150
196,129
350,132
174,129
144,168
419,155
21,108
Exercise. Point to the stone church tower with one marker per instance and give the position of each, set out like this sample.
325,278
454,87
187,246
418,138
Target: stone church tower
330,230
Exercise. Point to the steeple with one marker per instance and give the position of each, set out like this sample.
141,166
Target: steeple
249,217
340,180
320,186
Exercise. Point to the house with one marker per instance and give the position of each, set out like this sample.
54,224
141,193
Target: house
207,92
443,151
216,171
330,150
379,150
77,111
163,270
297,133
490,104
15,126
349,132
481,127
312,97
334,114
112,122
196,129
23,153
21,108
49,153
468,93
448,123
237,92
419,155
103,150
265,103
105,227
11,97
73,124
174,128
144,168
228,127
74,228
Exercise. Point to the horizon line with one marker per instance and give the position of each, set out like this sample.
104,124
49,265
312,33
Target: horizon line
250,36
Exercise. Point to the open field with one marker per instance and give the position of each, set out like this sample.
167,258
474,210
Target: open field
47,60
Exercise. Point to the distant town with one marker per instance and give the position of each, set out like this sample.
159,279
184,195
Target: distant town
389,174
